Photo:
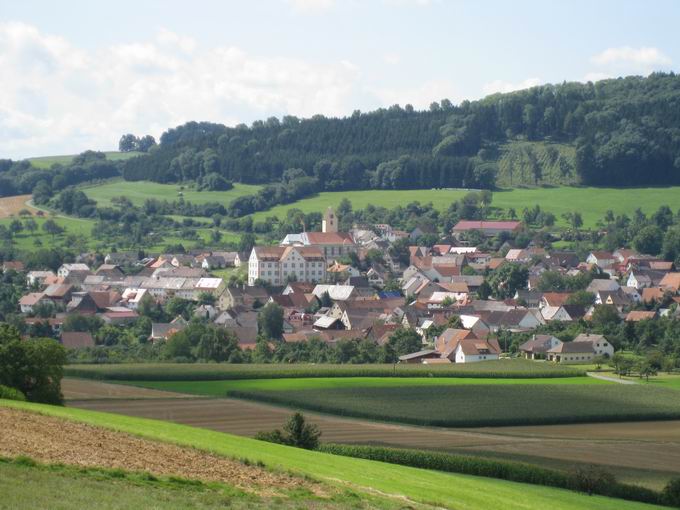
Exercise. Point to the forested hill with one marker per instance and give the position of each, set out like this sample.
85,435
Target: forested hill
615,132
620,132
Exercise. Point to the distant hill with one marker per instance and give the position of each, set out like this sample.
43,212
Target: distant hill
618,132
47,161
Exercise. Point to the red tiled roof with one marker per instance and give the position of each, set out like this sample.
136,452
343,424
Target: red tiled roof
484,225
329,238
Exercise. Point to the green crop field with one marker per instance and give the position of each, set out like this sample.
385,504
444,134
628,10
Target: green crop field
394,481
139,191
515,368
48,161
474,405
592,203
222,388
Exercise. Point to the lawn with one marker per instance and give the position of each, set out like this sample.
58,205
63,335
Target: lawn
473,405
442,489
48,161
671,381
592,203
511,368
139,191
221,388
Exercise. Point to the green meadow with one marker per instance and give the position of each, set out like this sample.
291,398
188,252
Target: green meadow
48,161
222,388
592,203
139,191
385,480
73,226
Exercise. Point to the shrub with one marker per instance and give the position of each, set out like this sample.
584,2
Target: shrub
11,394
296,432
671,493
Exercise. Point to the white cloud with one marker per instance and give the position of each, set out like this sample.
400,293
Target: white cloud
311,5
57,98
392,58
506,86
642,59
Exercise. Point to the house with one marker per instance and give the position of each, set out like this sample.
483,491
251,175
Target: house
554,299
30,300
420,356
67,269
213,262
13,265
110,272
518,255
517,319
653,294
76,339
487,228
279,264
330,242
538,346
584,348
530,298
38,277
670,282
640,315
119,316
335,292
447,342
375,277
617,299
248,297
131,297
642,278
164,330
59,292
602,259
565,313
597,285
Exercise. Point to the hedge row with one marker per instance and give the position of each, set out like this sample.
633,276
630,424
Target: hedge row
593,481
11,393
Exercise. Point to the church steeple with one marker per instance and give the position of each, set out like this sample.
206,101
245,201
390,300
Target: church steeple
330,221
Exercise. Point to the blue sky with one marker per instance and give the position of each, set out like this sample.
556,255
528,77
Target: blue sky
77,74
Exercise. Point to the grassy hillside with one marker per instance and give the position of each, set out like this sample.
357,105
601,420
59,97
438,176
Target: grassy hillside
592,203
516,368
138,192
48,161
482,405
435,488
221,388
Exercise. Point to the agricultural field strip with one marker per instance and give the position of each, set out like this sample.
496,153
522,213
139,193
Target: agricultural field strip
521,369
614,445
221,388
461,491
481,405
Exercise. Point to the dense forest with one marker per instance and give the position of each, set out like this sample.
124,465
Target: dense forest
617,132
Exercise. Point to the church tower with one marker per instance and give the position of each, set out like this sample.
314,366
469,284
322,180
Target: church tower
330,221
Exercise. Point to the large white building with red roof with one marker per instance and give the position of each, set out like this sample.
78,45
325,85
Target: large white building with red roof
278,265
331,242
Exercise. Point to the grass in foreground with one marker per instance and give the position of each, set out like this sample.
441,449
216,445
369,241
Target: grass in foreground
446,490
592,203
510,368
483,405
139,191
25,484
221,388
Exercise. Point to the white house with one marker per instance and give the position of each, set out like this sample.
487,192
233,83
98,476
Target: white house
470,350
280,264
67,269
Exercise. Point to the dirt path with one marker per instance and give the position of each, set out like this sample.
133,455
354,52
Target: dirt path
54,440
609,378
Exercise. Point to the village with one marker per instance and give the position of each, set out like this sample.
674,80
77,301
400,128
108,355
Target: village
334,286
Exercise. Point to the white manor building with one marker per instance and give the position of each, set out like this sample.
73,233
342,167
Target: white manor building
279,264
331,242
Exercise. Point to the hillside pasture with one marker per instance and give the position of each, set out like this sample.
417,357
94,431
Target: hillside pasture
48,161
80,227
511,368
487,405
139,191
592,203
416,486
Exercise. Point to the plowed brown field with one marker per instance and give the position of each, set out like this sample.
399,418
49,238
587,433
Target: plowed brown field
10,206
54,440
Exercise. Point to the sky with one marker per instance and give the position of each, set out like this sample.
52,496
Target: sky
76,75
